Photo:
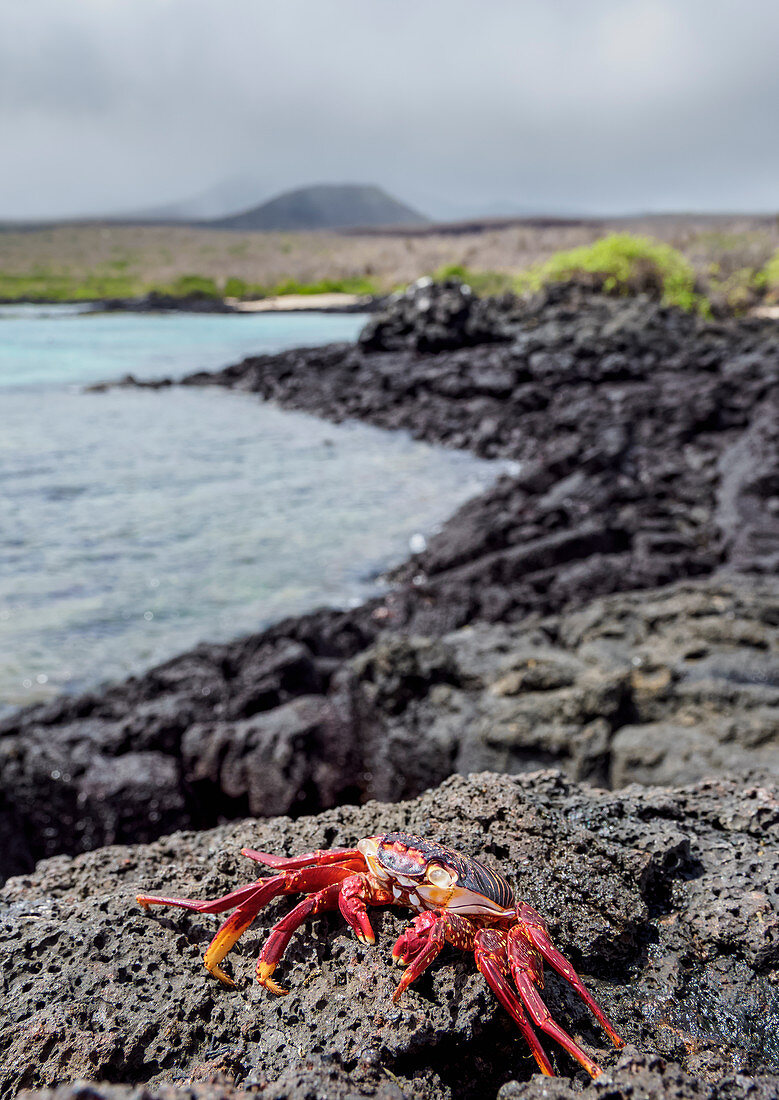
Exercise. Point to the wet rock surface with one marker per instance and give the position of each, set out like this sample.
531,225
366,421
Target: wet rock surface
665,900
133,761
649,452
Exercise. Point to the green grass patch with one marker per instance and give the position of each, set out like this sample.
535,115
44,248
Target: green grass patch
622,264
192,285
350,284
483,283
41,285
769,276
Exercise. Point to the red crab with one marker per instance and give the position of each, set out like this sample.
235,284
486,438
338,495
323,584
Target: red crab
458,899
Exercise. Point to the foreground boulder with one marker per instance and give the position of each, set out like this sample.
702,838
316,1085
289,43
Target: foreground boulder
664,899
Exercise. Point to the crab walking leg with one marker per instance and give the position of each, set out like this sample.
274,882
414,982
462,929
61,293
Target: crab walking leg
281,933
348,856
534,928
306,881
350,895
490,952
527,971
218,905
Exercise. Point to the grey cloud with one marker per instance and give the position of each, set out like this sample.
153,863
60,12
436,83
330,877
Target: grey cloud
609,105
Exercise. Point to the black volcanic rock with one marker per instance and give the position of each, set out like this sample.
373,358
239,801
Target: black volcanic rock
656,687
439,316
664,899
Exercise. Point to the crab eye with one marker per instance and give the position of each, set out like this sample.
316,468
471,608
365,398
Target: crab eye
440,876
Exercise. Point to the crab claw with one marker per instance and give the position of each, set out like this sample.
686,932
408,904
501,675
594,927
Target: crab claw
414,939
408,945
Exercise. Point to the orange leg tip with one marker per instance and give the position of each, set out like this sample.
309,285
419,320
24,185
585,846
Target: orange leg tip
264,971
217,972
142,901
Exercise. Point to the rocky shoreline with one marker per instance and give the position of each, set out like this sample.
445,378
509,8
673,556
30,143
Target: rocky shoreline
611,610
159,302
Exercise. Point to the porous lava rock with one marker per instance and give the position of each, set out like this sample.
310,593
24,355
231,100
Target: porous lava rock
665,900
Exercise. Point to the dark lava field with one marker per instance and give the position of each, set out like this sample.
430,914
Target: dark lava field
577,682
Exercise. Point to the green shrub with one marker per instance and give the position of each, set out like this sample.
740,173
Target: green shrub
736,291
236,288
622,263
200,285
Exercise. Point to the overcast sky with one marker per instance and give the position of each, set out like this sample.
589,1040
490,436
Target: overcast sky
455,106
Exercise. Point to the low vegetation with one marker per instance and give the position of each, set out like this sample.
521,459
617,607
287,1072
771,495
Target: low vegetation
41,285
62,286
622,264
716,265
356,284
770,276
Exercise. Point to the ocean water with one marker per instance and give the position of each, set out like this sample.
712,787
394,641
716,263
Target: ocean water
134,523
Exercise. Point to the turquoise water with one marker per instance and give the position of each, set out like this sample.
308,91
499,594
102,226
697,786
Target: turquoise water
134,523
66,344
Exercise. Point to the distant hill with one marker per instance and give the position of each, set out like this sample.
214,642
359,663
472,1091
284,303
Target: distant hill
324,206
